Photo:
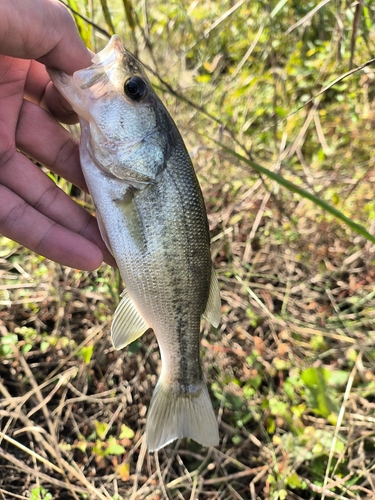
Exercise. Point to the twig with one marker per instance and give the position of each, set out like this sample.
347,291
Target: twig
159,474
138,469
336,80
248,52
29,452
353,40
222,18
306,19
236,475
338,425
14,495
320,489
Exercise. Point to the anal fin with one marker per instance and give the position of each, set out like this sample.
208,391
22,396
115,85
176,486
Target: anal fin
213,308
127,323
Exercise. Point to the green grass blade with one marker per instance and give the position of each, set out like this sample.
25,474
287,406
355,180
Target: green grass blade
84,29
129,13
302,192
107,16
277,8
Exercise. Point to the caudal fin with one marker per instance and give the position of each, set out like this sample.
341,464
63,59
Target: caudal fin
173,415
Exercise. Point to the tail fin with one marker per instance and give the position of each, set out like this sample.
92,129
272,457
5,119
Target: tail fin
173,415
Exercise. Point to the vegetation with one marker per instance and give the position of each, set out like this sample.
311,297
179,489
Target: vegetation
291,368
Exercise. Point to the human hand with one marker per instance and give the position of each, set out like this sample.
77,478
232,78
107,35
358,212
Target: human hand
33,210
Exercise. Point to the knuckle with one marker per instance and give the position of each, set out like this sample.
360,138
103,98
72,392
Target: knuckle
42,243
47,198
67,150
7,149
12,216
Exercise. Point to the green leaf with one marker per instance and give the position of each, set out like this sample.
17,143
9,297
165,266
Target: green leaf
26,348
325,439
7,342
318,393
277,8
44,345
135,347
86,353
101,429
98,448
293,480
126,432
9,338
40,493
114,448
278,408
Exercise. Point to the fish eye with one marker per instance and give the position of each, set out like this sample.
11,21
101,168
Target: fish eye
135,88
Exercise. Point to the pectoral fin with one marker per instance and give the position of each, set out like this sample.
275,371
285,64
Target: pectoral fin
213,307
127,323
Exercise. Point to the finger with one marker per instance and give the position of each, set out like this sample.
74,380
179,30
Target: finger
40,136
67,51
22,223
44,30
40,90
26,180
12,78
55,103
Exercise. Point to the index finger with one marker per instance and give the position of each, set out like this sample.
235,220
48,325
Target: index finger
42,30
26,225
40,90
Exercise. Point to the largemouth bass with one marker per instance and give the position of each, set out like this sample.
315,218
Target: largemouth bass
152,217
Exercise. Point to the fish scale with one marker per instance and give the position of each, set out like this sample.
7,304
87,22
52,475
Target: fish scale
151,214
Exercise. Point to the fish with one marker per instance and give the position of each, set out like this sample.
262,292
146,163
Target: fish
152,217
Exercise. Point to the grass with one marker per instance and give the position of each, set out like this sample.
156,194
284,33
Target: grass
291,366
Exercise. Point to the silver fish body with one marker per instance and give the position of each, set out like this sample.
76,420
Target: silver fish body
152,217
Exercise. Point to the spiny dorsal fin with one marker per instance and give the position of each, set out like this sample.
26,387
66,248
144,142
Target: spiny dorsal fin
213,308
127,323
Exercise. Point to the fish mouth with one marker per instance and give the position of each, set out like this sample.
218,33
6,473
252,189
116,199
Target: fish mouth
113,51
105,64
